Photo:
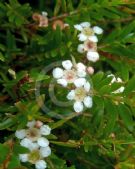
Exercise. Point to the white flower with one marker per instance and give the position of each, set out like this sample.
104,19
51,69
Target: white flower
98,30
88,102
57,73
71,73
45,130
41,164
93,56
20,134
31,124
45,151
78,107
23,157
67,64
81,97
43,142
79,82
26,142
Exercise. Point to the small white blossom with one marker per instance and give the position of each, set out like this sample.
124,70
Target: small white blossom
41,164
81,97
43,142
45,151
71,73
45,130
20,134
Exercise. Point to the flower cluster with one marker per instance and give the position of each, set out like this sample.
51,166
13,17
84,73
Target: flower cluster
33,139
88,36
75,75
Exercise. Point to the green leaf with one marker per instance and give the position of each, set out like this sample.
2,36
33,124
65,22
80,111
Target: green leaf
17,149
130,86
126,116
14,162
4,150
112,115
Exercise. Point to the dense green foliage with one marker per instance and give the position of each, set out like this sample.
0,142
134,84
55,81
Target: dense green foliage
100,138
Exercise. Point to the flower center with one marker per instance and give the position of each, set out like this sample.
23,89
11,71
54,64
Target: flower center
70,75
89,45
33,134
34,156
88,31
80,94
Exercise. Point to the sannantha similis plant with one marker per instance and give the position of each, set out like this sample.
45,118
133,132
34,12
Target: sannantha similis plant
67,80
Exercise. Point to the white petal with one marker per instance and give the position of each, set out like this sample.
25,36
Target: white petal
45,130
87,86
119,80
79,82
98,30
43,142
57,73
81,66
67,64
45,151
44,13
78,27
26,142
33,146
23,157
90,70
113,78
93,38
78,107
80,48
41,164
82,37
71,95
62,82
88,101
31,123
93,56
20,134
81,73
120,90
85,24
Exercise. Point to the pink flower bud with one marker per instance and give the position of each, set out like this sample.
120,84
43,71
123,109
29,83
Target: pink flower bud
90,70
38,124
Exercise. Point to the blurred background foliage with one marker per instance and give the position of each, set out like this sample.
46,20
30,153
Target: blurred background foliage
102,137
